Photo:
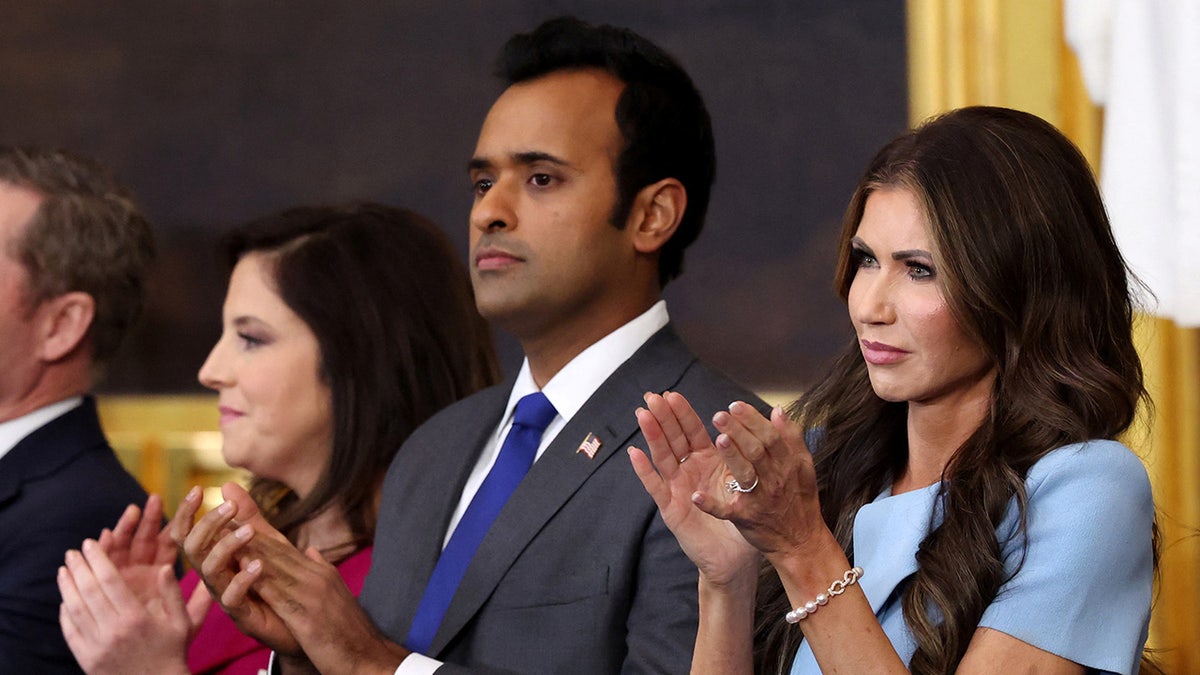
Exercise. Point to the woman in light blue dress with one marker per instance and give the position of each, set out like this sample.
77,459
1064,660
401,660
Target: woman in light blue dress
949,497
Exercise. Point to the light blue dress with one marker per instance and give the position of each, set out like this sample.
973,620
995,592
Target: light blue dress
1083,591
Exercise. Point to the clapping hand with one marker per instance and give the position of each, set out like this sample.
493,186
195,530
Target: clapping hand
122,609
689,466
214,547
752,487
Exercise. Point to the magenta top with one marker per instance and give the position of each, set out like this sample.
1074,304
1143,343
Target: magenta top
219,647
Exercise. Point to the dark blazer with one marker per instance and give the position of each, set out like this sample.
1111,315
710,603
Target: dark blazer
578,573
59,485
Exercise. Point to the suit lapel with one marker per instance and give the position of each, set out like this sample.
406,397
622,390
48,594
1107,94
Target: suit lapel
431,477
561,471
11,477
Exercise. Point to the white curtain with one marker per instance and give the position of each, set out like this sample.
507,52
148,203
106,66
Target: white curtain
1141,61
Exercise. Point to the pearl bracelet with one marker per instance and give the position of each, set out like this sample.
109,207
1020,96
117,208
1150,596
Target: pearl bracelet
836,588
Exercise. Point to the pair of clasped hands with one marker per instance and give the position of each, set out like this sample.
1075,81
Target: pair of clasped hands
122,603
724,531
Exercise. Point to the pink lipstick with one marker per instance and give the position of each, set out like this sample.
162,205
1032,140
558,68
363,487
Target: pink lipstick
880,354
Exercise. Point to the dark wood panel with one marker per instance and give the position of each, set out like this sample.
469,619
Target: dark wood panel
221,110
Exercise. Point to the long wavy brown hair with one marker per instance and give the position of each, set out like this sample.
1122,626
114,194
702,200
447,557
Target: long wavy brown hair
1032,273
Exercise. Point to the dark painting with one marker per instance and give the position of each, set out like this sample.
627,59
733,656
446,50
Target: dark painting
218,111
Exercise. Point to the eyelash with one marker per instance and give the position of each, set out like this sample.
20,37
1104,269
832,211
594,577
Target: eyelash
860,258
481,186
916,270
920,271
250,342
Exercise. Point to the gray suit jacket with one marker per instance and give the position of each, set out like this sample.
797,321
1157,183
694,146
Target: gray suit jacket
578,573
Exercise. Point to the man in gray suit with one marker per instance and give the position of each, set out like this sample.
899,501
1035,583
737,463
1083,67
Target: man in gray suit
592,174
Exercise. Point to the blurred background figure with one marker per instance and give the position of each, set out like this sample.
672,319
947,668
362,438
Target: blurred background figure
74,254
343,330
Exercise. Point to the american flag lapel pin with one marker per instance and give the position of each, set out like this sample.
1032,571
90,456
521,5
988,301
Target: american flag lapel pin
589,446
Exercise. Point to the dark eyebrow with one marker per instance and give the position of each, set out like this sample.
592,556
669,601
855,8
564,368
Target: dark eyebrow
860,245
522,158
908,254
247,320
533,157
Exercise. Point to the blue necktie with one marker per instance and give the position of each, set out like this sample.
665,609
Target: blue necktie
533,414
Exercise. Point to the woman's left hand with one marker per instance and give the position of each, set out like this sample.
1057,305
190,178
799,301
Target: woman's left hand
311,598
111,630
139,545
774,500
216,547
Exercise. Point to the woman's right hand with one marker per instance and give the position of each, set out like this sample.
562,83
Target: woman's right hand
686,462
112,629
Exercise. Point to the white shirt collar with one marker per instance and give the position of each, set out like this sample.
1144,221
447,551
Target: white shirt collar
575,383
568,390
14,430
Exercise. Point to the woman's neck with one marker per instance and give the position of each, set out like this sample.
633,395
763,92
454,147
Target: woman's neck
936,430
327,531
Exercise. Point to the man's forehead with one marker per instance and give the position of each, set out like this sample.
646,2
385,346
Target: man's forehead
19,192
18,204
556,115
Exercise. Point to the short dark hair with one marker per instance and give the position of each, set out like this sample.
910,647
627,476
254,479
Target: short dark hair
87,235
661,115
394,317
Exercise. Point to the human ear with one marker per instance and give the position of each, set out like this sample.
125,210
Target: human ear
657,210
64,322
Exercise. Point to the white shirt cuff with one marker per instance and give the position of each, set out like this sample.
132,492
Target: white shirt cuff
413,664
418,664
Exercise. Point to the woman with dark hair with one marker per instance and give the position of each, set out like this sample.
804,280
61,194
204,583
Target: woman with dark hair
964,506
344,329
